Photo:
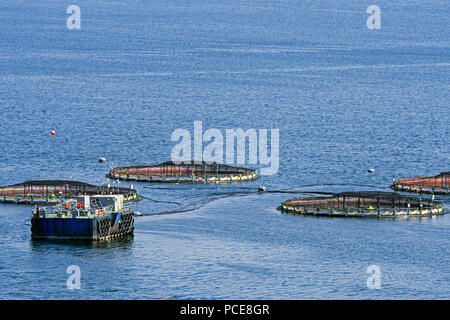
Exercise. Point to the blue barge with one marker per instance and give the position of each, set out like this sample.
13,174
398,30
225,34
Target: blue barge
94,218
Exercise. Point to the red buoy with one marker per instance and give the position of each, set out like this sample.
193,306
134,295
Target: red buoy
53,133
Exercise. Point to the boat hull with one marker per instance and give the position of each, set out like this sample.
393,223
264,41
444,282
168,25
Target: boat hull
93,229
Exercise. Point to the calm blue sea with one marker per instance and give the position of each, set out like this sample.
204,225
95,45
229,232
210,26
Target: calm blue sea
345,99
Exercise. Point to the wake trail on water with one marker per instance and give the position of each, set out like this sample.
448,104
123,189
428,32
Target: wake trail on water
210,197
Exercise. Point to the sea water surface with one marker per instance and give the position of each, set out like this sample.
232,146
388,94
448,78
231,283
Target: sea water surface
344,98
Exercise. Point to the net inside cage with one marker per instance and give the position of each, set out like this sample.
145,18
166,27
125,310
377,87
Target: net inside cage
362,200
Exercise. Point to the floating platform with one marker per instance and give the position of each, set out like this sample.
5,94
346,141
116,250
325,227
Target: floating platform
93,218
364,204
439,184
169,172
53,191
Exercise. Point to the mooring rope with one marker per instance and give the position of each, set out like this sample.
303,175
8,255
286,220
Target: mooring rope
161,201
208,198
198,205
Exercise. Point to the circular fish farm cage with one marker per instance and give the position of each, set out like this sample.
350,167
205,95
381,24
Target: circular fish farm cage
439,184
363,204
170,172
53,191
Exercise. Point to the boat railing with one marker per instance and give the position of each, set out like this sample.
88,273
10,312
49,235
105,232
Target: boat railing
62,210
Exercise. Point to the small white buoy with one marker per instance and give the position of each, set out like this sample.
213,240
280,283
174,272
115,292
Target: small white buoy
101,159
371,170
137,213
